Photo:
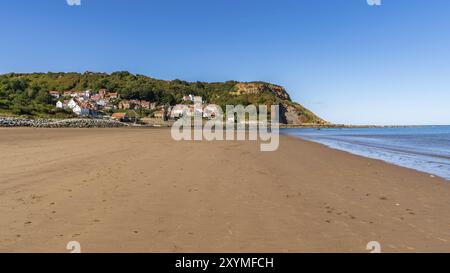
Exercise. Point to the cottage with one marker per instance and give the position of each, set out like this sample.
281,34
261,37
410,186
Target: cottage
54,94
87,93
179,110
102,93
101,103
125,104
60,105
113,95
135,104
145,104
96,97
109,106
72,103
81,111
120,116
79,94
211,111
161,114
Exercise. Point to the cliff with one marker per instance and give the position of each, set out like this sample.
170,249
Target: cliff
291,112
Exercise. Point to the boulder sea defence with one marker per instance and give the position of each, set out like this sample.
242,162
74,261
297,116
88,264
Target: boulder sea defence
62,123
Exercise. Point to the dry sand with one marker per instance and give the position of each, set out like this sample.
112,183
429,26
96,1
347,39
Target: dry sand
129,190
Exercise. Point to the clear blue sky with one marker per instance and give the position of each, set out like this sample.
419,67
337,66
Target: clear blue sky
345,60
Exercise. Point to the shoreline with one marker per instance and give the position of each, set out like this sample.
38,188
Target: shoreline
29,122
343,126
121,190
367,157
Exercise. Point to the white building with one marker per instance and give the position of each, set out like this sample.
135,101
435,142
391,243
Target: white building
77,109
72,104
54,94
87,94
101,103
179,111
211,111
80,111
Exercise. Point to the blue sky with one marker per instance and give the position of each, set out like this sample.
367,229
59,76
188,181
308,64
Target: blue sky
345,60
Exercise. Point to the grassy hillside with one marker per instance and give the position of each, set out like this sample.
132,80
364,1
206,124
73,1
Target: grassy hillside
27,94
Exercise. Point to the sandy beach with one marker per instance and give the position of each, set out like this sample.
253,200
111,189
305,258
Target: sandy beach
136,190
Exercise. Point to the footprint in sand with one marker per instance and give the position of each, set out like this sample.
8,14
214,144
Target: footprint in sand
410,211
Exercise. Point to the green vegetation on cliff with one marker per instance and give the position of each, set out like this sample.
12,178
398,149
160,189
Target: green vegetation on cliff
27,94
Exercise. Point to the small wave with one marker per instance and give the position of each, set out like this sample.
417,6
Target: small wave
396,146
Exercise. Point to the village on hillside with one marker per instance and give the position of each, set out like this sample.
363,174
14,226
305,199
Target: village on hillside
106,104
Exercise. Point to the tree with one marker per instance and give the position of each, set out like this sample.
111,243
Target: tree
44,97
168,99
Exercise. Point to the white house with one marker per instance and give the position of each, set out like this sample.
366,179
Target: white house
211,111
80,111
59,104
87,94
54,94
101,103
77,109
178,110
72,104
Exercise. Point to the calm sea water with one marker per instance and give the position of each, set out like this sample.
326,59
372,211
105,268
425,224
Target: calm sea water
426,149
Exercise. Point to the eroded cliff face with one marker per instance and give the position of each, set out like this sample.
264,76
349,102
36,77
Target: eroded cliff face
291,112
295,114
257,88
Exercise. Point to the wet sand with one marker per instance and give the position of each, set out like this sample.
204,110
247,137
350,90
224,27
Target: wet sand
131,190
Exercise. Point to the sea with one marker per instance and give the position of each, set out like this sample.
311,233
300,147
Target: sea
423,148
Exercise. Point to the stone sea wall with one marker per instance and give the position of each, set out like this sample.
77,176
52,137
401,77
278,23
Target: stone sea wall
61,123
